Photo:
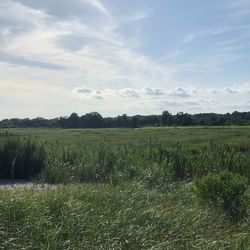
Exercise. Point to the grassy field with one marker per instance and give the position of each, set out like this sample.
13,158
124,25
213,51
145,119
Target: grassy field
191,136
146,188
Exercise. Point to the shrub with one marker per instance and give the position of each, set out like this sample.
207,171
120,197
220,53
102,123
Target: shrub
225,190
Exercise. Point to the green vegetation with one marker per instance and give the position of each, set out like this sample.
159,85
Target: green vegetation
226,190
127,216
95,120
192,137
146,188
21,159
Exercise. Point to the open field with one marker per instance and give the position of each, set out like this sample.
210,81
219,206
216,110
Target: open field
191,136
148,188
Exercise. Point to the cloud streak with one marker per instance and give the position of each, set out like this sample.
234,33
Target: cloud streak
99,6
102,55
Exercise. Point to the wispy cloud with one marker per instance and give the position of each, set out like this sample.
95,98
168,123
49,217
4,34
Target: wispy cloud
116,54
99,6
205,33
103,56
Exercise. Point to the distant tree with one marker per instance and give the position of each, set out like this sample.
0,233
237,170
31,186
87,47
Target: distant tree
110,122
6,123
26,123
39,122
150,120
94,120
167,118
221,121
74,121
214,120
183,119
122,121
16,122
62,122
135,122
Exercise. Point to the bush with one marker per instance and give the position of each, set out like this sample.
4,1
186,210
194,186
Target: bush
225,190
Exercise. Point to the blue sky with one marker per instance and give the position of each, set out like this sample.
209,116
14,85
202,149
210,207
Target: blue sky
123,56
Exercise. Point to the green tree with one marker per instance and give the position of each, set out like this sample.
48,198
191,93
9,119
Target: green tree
167,118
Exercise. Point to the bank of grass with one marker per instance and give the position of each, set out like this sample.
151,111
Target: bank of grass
128,216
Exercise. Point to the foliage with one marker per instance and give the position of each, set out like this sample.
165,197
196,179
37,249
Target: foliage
95,120
225,190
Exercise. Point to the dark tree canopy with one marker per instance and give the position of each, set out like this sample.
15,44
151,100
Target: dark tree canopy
95,120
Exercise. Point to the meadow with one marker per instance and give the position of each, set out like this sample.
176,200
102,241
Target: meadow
145,188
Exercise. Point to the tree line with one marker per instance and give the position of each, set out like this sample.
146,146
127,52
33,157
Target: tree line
95,120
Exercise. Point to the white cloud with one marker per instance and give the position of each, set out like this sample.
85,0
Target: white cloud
105,57
212,91
231,91
83,90
128,92
239,89
83,93
152,91
146,92
14,13
243,88
37,57
208,101
192,103
180,92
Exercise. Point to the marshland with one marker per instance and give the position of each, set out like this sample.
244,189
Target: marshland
144,188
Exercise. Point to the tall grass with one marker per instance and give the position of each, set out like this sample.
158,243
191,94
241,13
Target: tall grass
225,190
21,159
136,195
113,163
128,216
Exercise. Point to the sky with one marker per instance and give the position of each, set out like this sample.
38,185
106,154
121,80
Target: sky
123,56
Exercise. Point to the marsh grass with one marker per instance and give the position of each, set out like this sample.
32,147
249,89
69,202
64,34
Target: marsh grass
225,190
20,159
118,194
106,162
129,216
